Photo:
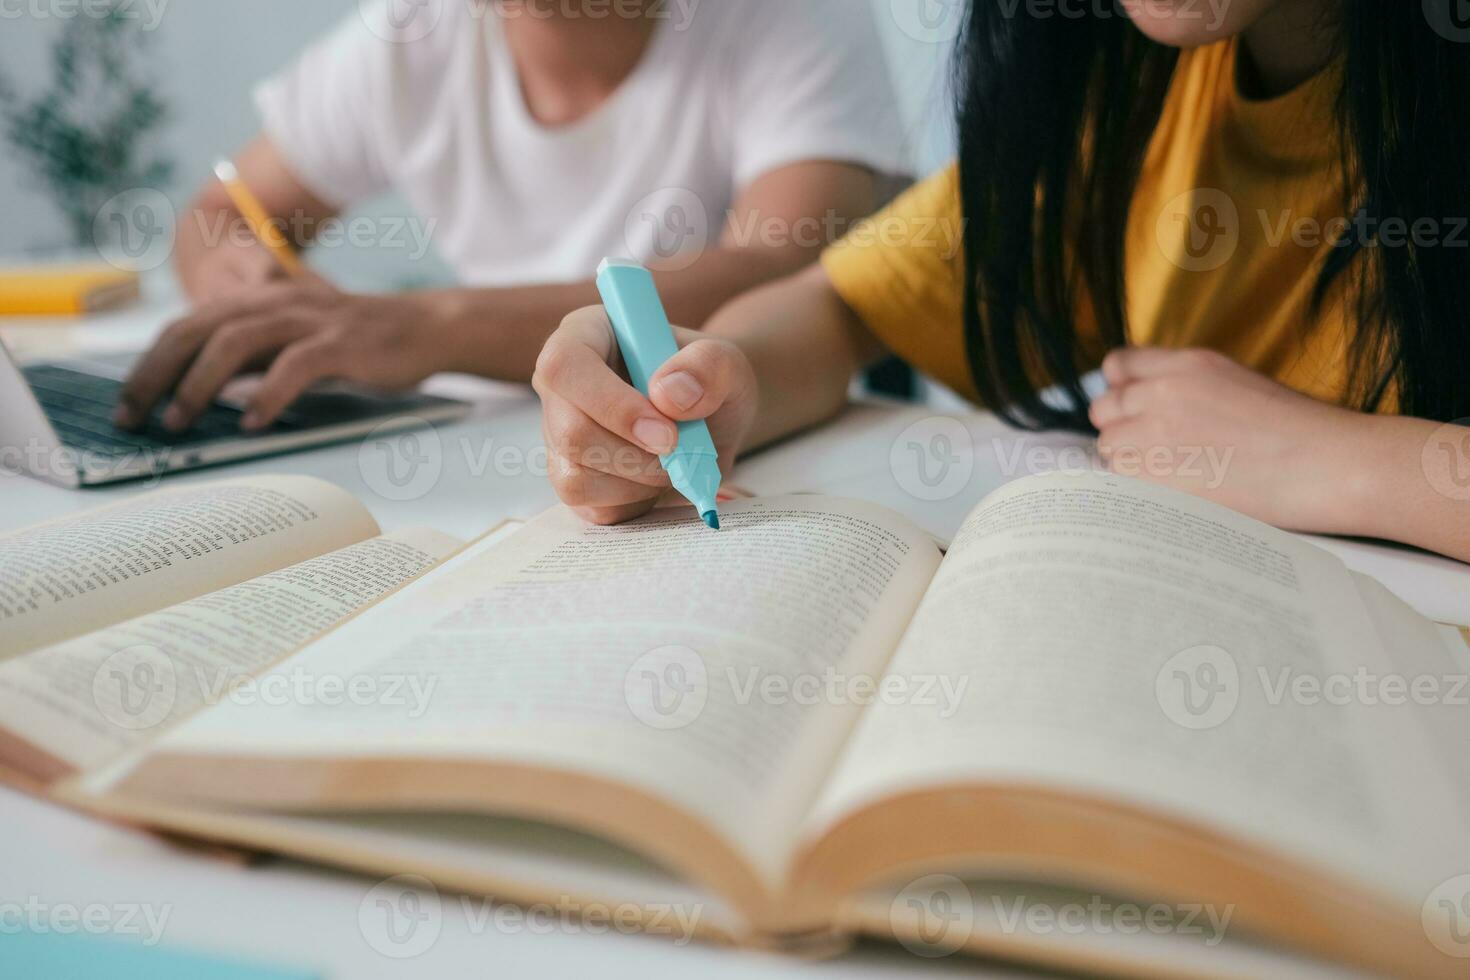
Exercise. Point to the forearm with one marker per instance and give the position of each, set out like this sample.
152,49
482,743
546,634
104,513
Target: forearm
499,333
804,345
1409,481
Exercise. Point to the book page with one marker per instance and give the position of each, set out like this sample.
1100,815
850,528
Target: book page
658,654
1435,658
86,701
70,576
1140,646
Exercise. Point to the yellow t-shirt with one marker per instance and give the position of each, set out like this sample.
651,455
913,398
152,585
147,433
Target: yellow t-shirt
1236,209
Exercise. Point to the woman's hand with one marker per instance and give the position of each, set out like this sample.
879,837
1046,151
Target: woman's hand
299,332
604,439
1196,420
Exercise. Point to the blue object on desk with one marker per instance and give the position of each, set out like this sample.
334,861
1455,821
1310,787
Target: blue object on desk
80,956
647,342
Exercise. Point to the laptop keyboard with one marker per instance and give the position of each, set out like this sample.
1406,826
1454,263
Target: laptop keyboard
80,407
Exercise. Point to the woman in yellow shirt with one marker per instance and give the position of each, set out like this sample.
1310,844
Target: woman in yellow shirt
1252,216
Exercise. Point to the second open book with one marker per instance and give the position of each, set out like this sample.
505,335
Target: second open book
809,715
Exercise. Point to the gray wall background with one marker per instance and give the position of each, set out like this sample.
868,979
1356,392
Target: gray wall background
209,54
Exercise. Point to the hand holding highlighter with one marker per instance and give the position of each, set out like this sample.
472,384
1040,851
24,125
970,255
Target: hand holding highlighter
646,339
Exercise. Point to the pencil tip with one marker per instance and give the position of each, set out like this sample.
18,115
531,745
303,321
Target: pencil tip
712,518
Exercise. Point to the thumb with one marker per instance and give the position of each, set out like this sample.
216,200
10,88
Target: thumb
699,380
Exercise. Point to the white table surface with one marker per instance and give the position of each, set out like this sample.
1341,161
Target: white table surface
477,473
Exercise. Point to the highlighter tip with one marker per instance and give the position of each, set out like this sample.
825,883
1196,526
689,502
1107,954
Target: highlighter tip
712,519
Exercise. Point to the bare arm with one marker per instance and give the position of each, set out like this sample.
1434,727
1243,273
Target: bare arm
302,332
1414,485
804,345
499,333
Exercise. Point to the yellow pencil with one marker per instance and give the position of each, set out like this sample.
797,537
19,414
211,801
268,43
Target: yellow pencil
261,225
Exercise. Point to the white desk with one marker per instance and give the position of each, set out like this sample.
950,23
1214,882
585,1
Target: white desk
488,469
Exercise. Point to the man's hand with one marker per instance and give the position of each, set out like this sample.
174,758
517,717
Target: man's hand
299,332
233,268
604,439
216,253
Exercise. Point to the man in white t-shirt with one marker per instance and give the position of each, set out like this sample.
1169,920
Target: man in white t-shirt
723,143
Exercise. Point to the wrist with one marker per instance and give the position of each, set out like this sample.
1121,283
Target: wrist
1374,472
433,318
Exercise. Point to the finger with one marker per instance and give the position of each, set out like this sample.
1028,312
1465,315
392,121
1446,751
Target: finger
255,264
697,381
1105,409
298,367
591,327
578,486
1138,449
230,351
607,516
1113,440
1143,363
159,370
576,366
573,436
1122,446
1120,404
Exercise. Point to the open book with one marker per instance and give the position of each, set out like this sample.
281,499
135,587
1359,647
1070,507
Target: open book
813,725
118,622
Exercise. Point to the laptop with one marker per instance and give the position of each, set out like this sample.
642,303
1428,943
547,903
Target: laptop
56,424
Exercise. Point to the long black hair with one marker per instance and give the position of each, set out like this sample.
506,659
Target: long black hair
1043,218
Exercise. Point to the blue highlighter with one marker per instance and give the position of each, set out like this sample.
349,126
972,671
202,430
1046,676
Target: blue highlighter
647,342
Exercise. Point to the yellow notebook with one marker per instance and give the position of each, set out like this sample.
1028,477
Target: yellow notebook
65,290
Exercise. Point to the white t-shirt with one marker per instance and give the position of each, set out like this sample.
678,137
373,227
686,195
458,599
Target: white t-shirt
422,97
